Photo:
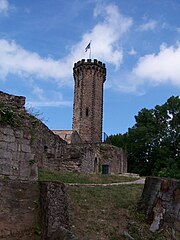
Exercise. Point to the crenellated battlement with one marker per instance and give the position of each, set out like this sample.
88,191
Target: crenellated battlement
90,62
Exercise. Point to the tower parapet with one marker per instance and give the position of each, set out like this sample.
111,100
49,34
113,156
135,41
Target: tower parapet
89,77
90,62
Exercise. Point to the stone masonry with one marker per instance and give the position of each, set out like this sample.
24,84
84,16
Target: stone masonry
26,144
11,100
16,157
88,99
33,210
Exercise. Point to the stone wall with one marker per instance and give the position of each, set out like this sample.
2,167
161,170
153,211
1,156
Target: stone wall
161,204
75,158
17,159
33,210
70,136
11,100
19,213
114,157
25,148
27,144
89,158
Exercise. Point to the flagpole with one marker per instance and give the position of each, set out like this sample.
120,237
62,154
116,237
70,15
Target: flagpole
90,50
90,53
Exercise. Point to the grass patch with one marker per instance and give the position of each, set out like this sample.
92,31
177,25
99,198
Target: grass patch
109,213
83,178
102,212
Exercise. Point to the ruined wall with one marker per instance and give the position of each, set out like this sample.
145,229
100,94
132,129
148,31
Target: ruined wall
11,100
17,159
70,136
161,204
19,216
89,158
88,99
33,210
114,157
25,142
75,158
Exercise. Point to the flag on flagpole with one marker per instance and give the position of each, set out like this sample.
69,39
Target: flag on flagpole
88,47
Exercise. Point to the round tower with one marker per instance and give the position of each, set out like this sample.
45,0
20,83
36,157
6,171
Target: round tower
89,77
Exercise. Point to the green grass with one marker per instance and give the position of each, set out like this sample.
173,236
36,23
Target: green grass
119,196
83,178
108,212
102,212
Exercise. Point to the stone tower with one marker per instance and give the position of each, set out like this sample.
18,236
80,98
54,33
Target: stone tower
89,77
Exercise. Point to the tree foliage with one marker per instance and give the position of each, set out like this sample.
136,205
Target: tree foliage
153,143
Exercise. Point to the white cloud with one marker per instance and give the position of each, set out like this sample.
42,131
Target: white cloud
45,98
49,103
150,25
4,6
16,60
160,68
178,29
105,37
132,52
151,70
38,92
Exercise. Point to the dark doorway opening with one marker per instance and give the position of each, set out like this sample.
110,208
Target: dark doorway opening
105,169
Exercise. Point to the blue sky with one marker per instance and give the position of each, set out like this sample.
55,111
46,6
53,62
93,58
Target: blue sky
138,40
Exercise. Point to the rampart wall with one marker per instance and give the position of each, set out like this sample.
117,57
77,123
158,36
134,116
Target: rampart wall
27,144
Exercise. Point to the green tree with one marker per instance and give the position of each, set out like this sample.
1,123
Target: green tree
153,143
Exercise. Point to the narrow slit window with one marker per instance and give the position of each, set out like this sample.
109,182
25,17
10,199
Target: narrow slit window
87,112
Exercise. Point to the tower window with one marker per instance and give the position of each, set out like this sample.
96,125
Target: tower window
87,112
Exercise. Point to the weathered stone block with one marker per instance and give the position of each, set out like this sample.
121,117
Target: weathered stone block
54,207
8,131
19,156
9,138
8,155
26,148
18,133
6,168
12,146
161,203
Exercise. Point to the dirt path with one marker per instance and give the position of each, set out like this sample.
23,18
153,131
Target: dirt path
139,181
